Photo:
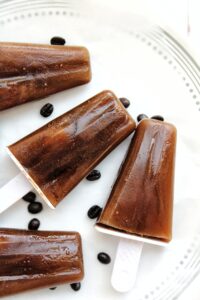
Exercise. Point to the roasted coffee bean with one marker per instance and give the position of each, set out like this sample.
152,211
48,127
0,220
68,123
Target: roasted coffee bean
30,197
34,224
94,212
141,117
46,110
35,207
125,102
158,117
53,288
94,175
76,286
57,40
104,258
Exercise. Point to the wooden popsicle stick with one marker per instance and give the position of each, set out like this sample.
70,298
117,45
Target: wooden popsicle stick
126,265
13,191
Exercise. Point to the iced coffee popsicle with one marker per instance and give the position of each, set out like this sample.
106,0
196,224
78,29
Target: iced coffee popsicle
141,201
30,71
30,259
58,155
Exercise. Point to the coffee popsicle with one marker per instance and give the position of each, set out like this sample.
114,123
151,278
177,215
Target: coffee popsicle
37,259
141,201
32,71
56,157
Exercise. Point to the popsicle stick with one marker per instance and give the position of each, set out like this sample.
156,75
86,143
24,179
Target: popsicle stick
131,236
14,190
126,265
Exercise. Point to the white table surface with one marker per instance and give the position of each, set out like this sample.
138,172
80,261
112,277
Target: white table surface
172,14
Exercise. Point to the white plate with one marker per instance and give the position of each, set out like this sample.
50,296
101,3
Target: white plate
144,63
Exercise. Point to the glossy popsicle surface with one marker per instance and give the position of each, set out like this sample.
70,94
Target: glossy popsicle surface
141,201
57,156
30,259
30,71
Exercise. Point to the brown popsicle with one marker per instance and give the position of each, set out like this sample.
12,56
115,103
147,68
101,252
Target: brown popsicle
141,201
36,259
56,157
32,71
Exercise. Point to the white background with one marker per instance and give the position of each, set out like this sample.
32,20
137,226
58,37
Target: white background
172,14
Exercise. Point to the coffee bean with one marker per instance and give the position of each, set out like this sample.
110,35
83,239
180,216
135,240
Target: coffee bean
35,207
34,224
125,102
158,117
104,258
53,288
30,197
94,212
141,117
94,175
76,286
46,110
57,40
